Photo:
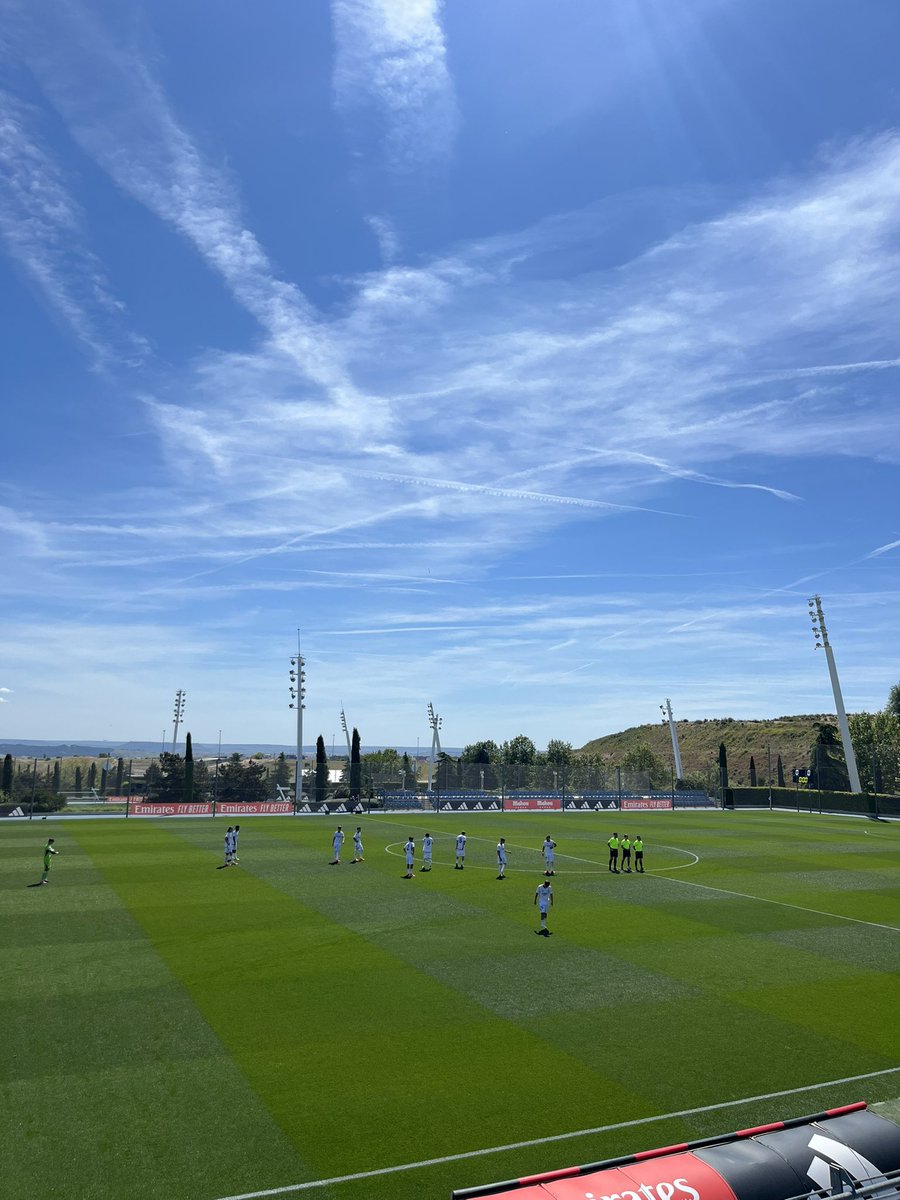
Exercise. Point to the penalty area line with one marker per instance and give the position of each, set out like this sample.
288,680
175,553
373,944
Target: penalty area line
556,1137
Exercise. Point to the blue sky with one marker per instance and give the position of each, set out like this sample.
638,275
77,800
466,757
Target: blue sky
537,360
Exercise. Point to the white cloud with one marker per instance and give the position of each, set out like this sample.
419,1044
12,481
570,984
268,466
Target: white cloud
391,57
44,231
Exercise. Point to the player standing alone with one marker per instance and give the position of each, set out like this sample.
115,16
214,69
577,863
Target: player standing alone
48,859
410,849
543,898
460,852
548,848
427,850
337,842
357,845
501,858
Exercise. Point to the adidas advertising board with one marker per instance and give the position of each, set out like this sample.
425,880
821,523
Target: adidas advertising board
780,1161
470,806
12,810
325,809
591,805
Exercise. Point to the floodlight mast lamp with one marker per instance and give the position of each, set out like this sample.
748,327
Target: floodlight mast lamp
346,731
820,633
180,697
666,711
298,697
435,723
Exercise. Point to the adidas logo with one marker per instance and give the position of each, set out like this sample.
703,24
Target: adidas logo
18,812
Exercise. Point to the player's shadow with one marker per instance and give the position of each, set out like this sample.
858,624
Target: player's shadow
38,884
221,866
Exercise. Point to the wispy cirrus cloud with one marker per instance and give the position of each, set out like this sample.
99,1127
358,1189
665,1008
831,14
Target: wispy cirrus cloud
392,61
44,230
117,111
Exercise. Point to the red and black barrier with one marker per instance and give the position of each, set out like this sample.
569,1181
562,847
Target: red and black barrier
777,1161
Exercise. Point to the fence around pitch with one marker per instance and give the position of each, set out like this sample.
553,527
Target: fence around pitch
814,800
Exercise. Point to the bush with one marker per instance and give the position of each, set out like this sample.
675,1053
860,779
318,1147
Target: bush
44,801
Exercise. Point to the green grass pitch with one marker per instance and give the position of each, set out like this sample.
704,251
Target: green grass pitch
171,1031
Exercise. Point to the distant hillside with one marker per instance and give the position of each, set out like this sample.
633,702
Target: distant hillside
791,737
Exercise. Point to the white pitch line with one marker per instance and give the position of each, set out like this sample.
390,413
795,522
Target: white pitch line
556,1137
695,858
761,899
786,904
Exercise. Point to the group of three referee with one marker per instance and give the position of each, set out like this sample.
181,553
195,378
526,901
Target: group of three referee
626,845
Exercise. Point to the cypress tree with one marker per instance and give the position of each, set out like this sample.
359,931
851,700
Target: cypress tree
79,779
7,780
780,769
120,775
188,769
321,770
723,766
57,773
752,772
355,766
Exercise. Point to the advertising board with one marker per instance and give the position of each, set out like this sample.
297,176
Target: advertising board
258,808
531,803
141,809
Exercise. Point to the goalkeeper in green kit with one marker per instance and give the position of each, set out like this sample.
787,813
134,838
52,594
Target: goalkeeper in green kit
48,859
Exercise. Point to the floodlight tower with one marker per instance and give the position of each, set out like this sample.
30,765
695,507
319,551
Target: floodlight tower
822,643
666,710
298,698
435,723
180,697
346,731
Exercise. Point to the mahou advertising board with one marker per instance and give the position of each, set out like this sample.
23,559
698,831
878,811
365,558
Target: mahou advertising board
770,1162
531,803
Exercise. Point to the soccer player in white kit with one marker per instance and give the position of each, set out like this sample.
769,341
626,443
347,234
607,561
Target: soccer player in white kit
548,848
357,845
410,849
234,840
501,858
427,848
337,841
460,852
229,845
543,898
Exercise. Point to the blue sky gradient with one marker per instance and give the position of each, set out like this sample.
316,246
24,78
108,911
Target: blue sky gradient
538,360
